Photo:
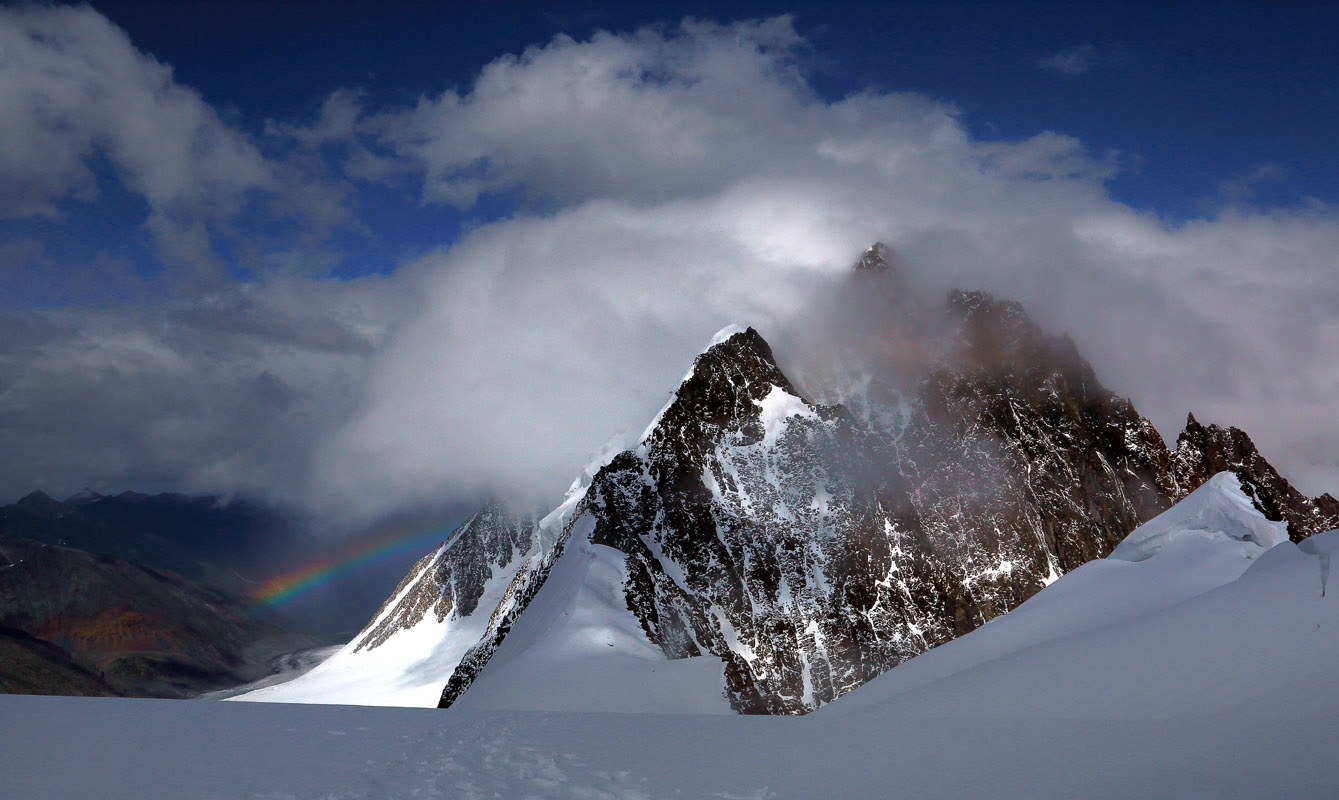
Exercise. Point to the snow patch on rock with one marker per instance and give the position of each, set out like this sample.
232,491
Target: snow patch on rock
724,334
776,408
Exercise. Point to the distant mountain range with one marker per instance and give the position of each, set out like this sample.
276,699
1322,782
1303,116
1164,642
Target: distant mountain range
80,616
203,539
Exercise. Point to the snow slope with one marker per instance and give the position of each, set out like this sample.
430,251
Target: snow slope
578,648
1264,727
1218,511
450,601
286,668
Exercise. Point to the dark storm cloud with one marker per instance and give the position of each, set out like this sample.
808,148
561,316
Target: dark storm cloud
226,393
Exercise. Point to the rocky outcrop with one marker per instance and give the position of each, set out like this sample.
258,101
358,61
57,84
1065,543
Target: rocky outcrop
812,551
453,579
750,519
960,459
1203,451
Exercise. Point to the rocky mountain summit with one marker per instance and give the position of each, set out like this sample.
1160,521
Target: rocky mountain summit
960,460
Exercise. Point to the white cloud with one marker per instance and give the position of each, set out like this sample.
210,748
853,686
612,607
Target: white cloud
678,180
697,181
72,85
1081,59
75,94
642,116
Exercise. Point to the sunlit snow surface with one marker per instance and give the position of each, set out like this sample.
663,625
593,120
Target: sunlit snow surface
1204,670
578,648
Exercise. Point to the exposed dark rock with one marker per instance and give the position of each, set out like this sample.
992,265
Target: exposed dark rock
878,258
817,556
1203,451
29,665
453,578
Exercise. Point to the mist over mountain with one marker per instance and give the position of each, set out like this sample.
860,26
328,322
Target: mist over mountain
793,550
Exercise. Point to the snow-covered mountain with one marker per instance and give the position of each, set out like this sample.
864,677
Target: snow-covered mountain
762,548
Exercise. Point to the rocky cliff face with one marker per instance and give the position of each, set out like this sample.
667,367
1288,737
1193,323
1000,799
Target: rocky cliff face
812,551
453,579
757,528
813,545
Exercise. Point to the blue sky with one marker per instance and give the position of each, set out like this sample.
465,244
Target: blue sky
1198,93
1199,105
362,257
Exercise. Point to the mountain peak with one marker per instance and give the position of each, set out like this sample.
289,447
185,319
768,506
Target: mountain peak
722,392
726,334
739,340
40,501
83,497
737,358
876,258
876,276
727,381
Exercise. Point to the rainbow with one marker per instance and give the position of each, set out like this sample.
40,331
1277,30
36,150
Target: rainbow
358,553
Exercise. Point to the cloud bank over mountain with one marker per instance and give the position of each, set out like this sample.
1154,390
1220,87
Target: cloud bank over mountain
83,109
665,182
